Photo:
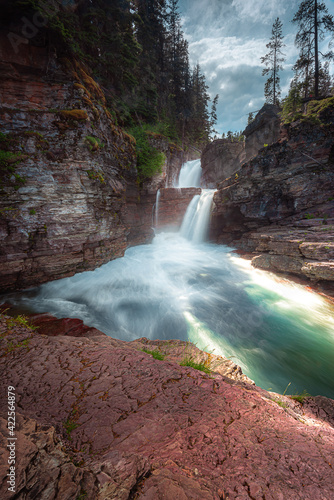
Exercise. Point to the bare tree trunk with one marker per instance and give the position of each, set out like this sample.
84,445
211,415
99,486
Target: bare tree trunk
316,60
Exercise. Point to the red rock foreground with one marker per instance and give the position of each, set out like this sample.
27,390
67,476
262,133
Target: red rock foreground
99,419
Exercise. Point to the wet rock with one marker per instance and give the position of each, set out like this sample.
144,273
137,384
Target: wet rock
173,205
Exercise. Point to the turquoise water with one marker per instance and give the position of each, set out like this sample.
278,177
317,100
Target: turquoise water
277,331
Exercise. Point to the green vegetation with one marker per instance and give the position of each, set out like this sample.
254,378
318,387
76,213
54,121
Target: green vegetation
202,366
32,211
149,159
136,52
92,174
69,426
156,354
93,143
20,320
273,62
82,495
300,397
280,403
8,162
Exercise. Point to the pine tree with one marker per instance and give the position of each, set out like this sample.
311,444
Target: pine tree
213,113
273,61
314,22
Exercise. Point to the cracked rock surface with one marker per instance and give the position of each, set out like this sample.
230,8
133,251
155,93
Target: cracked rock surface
140,428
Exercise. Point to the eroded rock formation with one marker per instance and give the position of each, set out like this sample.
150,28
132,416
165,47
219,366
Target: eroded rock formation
65,167
137,427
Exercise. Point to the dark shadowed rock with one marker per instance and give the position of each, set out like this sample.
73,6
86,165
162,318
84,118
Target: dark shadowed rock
42,467
263,130
220,159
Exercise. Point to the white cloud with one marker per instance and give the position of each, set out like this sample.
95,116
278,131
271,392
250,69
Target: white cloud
228,38
261,11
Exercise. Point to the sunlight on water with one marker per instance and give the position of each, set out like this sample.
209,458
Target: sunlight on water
278,332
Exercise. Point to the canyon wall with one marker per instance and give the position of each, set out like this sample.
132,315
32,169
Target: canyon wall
223,158
68,180
64,170
280,205
173,204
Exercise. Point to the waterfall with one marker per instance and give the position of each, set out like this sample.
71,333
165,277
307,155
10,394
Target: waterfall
157,208
190,174
195,223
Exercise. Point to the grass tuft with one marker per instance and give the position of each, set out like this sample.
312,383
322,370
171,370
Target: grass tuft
156,354
203,367
300,397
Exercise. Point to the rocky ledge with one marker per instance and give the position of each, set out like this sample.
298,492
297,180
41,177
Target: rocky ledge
102,419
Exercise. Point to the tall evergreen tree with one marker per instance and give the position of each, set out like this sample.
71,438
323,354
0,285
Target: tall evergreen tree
273,61
314,22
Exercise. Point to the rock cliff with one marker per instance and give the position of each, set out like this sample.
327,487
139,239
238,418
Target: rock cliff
220,159
281,202
68,181
103,419
64,170
263,130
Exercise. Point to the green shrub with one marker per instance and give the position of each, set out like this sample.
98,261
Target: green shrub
149,159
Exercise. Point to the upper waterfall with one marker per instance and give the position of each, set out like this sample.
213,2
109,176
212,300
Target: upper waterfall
190,174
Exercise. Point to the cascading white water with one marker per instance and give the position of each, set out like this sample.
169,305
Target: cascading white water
190,174
196,220
157,208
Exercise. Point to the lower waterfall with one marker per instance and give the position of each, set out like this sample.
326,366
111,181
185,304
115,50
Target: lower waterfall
195,223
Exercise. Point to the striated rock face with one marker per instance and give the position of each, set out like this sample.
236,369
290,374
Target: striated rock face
281,203
65,168
220,159
264,129
173,204
138,427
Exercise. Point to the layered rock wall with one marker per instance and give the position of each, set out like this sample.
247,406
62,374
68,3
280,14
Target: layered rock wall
172,206
64,170
175,158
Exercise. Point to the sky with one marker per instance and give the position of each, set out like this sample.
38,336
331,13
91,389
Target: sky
228,38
